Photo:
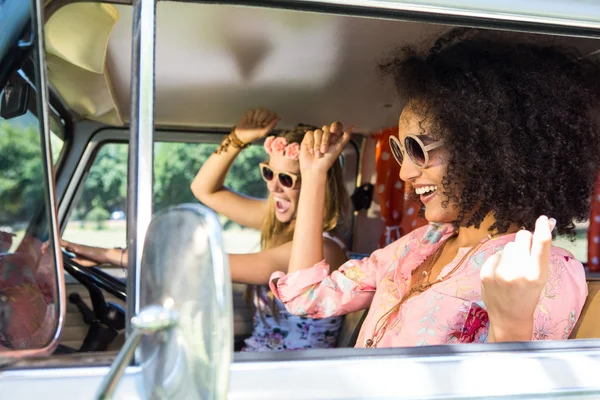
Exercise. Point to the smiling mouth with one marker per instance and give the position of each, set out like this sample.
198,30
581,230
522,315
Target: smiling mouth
426,190
282,205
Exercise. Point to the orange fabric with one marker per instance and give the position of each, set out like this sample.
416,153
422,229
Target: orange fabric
400,213
594,231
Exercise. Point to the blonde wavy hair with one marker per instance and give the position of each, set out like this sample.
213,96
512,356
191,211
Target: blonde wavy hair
275,233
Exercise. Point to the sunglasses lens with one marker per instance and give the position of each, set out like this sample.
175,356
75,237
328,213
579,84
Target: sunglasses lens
286,180
267,173
395,148
415,151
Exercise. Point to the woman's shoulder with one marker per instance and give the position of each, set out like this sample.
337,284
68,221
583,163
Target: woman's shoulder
564,266
334,239
335,250
431,233
565,272
420,240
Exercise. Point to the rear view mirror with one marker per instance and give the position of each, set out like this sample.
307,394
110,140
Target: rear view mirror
14,101
186,317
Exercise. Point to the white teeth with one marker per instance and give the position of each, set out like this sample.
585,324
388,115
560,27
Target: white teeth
279,199
425,189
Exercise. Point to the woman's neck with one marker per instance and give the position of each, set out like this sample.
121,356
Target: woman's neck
469,237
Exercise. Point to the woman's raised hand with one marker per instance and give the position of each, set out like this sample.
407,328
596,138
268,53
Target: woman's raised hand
321,147
513,280
255,124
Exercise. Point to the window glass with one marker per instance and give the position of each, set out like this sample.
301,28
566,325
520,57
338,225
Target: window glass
56,144
579,245
27,274
99,219
21,182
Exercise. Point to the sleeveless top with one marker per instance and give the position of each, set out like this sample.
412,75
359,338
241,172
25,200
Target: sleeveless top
289,332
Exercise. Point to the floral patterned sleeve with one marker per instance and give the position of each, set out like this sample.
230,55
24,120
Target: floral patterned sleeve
562,299
314,293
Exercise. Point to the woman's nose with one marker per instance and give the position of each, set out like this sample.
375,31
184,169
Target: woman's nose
408,170
273,185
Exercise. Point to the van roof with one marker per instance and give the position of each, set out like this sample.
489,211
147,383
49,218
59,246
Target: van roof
214,61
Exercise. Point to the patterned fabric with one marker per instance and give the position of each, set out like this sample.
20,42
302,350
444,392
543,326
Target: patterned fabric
398,210
593,262
449,312
291,332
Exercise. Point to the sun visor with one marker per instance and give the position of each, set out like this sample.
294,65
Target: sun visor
77,38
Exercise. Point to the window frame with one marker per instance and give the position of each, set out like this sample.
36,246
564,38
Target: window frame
433,356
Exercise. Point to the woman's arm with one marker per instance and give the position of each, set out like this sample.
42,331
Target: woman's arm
252,269
208,185
89,256
257,268
319,150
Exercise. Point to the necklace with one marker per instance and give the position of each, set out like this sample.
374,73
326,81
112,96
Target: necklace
422,284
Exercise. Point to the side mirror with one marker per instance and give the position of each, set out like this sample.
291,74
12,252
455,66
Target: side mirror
15,99
185,326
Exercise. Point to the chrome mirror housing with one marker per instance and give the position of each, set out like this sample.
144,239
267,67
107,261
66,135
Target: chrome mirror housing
185,326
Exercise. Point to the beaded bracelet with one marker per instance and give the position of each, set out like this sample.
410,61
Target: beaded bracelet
236,140
233,140
121,258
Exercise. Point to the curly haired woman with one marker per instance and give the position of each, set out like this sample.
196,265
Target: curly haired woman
495,136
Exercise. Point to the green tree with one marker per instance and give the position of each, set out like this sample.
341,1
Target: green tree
176,165
106,183
99,215
21,181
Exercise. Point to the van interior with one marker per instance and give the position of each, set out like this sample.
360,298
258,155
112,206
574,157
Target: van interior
212,63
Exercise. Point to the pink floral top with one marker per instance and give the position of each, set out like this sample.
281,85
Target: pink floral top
275,329
449,312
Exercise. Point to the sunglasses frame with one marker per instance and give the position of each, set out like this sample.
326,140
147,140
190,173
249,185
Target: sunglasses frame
277,174
424,148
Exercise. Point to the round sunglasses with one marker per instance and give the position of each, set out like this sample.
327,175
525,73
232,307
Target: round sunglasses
418,152
286,179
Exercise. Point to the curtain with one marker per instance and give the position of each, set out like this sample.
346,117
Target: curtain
594,231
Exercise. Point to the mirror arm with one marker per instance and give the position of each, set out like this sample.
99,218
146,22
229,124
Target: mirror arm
150,321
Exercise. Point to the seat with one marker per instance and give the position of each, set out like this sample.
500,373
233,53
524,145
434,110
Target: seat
353,321
588,325
351,328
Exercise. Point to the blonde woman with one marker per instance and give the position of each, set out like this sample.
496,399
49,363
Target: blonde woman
275,217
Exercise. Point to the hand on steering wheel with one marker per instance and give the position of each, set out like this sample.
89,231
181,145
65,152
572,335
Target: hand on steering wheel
93,276
86,256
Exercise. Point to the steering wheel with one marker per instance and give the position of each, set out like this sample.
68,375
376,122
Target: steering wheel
105,319
94,276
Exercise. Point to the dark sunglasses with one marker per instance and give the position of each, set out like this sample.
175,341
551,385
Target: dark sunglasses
417,151
285,178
